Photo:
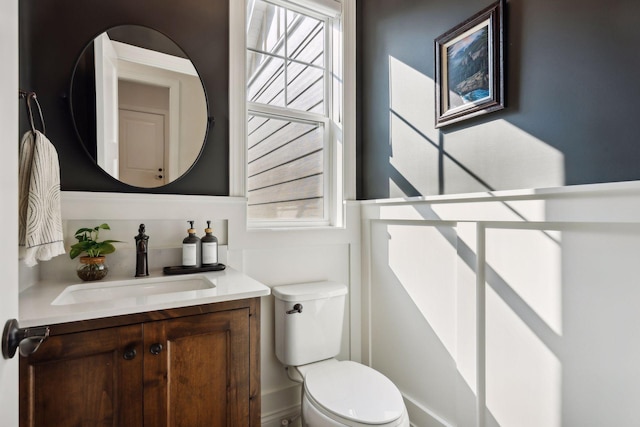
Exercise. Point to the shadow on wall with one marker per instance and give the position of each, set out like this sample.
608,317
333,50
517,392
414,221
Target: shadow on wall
426,161
516,373
414,333
412,293
526,321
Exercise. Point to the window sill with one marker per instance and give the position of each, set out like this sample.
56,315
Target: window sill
290,228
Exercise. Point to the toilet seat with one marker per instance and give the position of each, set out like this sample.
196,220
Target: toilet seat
353,394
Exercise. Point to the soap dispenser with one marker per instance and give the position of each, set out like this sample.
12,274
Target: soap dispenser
191,248
209,247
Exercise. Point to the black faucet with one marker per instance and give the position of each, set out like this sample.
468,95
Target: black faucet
142,258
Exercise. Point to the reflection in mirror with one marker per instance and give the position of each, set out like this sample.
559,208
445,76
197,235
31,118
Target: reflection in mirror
139,106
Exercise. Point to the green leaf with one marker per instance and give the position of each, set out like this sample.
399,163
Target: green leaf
74,252
88,242
84,230
106,248
83,234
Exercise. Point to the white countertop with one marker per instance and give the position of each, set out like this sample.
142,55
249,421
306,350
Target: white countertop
36,308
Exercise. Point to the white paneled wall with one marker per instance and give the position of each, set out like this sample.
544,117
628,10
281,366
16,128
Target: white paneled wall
413,307
509,309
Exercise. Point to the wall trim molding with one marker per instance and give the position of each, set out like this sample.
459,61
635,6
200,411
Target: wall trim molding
280,403
349,98
598,203
134,206
237,99
275,419
419,415
610,188
9,122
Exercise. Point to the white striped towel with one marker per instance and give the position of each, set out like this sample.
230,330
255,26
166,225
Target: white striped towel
39,204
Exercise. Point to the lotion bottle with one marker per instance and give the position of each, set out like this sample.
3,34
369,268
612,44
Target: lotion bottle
209,247
191,248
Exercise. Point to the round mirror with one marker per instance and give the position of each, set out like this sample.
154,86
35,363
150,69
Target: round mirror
139,106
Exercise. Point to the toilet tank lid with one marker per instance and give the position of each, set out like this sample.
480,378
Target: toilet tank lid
309,291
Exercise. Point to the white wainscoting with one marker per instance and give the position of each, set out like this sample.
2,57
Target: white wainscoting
272,256
510,309
503,309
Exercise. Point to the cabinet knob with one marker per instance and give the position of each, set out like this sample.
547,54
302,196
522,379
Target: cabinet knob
129,353
155,348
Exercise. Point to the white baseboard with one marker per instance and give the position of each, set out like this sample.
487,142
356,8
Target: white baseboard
420,416
281,404
275,419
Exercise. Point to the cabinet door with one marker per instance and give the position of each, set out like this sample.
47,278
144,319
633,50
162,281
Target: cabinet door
200,376
83,379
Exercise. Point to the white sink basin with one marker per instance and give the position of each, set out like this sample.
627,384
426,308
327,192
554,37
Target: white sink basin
147,289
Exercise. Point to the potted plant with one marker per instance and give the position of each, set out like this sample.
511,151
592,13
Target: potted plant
93,265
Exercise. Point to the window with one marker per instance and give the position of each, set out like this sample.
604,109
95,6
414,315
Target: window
293,113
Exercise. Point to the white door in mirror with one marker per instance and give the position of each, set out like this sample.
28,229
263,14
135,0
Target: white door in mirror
142,148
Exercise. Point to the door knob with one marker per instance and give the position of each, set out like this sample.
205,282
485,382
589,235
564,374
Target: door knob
155,348
27,339
129,353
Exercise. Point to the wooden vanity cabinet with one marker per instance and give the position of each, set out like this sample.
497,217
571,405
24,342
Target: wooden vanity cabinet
81,379
191,367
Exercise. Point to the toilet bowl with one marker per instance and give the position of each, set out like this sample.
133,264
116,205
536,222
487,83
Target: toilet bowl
309,320
350,394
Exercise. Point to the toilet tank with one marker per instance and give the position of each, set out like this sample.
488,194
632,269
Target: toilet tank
314,331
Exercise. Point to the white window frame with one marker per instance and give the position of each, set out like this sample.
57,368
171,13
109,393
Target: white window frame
340,153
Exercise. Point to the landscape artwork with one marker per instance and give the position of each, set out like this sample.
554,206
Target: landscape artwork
469,67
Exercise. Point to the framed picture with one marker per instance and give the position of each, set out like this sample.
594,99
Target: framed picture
470,68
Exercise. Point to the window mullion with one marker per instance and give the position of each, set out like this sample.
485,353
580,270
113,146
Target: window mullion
328,65
284,113
286,58
275,55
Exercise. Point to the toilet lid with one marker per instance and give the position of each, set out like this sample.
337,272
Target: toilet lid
355,392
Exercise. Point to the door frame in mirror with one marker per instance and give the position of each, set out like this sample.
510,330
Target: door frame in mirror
146,57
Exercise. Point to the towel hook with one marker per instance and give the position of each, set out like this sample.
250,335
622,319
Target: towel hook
33,96
29,96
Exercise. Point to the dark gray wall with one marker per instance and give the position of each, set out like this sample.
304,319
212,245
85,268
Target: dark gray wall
572,93
53,33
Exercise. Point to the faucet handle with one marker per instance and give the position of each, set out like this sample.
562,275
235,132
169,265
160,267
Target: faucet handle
142,248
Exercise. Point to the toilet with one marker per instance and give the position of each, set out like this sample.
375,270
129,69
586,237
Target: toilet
308,321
